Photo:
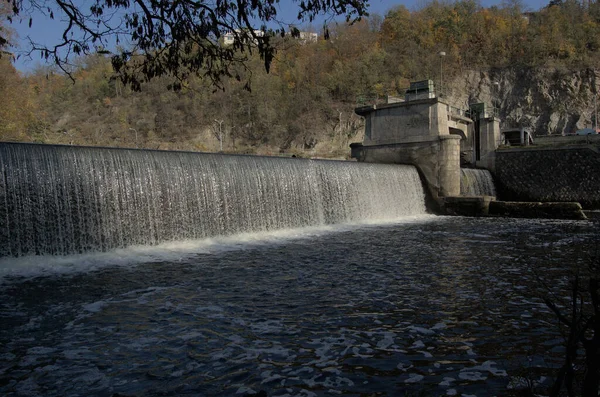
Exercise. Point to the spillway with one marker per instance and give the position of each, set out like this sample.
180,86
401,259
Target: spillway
61,200
476,182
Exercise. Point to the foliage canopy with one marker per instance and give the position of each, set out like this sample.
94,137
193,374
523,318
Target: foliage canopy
175,38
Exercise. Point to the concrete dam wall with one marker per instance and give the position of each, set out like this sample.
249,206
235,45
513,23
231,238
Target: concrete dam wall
554,174
61,200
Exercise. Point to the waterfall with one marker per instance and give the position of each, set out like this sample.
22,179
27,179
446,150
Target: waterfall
63,199
476,182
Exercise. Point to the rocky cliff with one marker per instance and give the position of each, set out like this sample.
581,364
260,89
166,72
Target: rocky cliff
549,101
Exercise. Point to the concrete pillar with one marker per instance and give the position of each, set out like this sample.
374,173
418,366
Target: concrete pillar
449,166
490,140
522,133
438,119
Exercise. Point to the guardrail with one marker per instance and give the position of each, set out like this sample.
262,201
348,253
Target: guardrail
456,111
376,99
553,140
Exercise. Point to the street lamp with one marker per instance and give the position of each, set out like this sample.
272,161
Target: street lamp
596,112
220,122
495,95
135,131
442,54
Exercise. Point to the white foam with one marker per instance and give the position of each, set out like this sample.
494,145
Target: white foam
471,375
489,366
387,341
414,378
404,366
440,326
418,345
95,307
176,251
447,381
420,330
269,377
337,381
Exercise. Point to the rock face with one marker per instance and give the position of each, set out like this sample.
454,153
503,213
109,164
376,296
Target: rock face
548,101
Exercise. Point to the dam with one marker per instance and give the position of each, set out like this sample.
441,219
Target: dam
63,200
132,272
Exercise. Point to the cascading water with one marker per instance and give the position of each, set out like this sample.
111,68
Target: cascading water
62,199
476,182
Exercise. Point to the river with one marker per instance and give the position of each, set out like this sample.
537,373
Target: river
422,306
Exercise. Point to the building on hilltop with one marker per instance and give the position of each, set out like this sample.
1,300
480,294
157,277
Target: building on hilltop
230,37
303,37
308,37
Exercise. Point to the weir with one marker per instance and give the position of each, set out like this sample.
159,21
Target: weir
476,182
63,199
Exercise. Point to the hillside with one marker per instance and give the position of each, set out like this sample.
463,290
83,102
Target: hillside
537,68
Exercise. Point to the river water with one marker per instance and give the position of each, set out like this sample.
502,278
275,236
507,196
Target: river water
423,306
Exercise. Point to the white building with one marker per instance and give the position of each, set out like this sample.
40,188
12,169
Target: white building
229,37
305,37
308,37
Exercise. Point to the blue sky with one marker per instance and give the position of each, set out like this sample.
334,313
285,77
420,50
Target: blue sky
46,31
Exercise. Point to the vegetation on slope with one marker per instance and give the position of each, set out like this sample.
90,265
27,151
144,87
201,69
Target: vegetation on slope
304,106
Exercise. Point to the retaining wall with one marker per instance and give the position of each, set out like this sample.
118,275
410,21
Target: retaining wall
549,175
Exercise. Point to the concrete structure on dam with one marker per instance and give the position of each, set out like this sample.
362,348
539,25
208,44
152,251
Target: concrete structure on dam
539,179
428,133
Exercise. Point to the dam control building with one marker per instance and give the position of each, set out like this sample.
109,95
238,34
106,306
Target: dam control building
434,136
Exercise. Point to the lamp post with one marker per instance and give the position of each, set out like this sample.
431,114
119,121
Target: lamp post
220,122
596,113
495,95
442,54
135,131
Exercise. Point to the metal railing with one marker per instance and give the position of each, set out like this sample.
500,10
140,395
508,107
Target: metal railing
369,99
401,96
456,111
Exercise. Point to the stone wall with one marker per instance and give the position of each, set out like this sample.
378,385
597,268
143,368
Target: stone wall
547,175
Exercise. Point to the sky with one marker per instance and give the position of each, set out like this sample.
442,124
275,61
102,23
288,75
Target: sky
45,31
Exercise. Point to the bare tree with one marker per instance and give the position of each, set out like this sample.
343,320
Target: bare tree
580,318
